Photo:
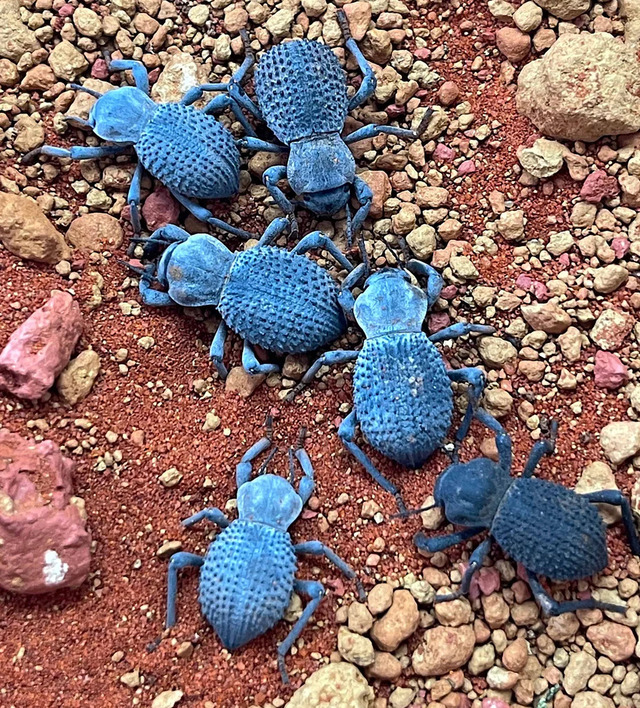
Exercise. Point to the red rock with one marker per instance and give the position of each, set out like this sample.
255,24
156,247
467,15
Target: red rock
468,167
381,188
160,209
613,640
423,54
66,10
448,93
486,581
99,70
438,321
45,544
513,43
41,347
620,246
444,153
598,186
609,371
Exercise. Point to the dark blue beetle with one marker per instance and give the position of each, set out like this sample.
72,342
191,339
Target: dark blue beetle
549,529
401,388
301,91
187,149
247,577
277,299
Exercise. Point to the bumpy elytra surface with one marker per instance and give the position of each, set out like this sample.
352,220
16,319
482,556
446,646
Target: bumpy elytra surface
281,301
242,600
301,90
566,545
190,152
403,396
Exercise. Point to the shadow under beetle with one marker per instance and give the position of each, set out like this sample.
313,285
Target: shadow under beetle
301,91
551,530
247,576
401,388
277,299
187,149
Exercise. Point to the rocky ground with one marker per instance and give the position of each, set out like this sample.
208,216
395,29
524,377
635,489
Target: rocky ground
519,192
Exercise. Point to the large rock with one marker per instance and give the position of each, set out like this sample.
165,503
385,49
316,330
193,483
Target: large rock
613,640
620,440
16,38
548,317
444,649
76,379
338,685
565,9
26,231
180,74
45,544
40,348
586,86
67,62
399,623
95,232
381,188
596,477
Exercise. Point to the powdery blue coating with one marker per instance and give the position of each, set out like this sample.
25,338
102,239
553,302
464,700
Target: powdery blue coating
402,396
190,152
281,301
246,581
301,90
551,530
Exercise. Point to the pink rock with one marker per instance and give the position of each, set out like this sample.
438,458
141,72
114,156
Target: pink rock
395,110
485,582
45,543
609,371
41,347
99,69
564,260
513,43
438,321
468,167
160,209
494,703
423,54
66,10
449,292
620,246
444,153
526,282
598,186
448,93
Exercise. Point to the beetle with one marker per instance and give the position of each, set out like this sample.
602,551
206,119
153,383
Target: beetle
401,388
187,149
277,299
301,93
247,577
551,530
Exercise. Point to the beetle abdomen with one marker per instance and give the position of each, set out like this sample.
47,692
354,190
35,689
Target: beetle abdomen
282,302
402,396
190,152
301,90
246,581
551,530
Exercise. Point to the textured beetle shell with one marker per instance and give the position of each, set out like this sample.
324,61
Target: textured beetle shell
301,90
551,530
246,581
402,396
283,302
190,152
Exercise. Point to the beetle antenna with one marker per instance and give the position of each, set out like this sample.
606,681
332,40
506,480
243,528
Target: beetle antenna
136,269
263,466
364,256
268,424
291,467
424,123
86,89
411,512
301,438
404,249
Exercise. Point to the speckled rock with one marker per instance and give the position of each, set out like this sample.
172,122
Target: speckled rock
77,378
380,185
586,86
67,62
609,371
443,649
400,622
355,648
596,477
338,685
180,74
40,348
26,231
611,329
16,38
580,669
95,232
591,699
160,209
613,640
547,317
544,158
565,9
620,440
45,543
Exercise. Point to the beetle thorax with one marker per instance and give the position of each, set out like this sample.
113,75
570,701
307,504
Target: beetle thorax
121,115
270,500
390,304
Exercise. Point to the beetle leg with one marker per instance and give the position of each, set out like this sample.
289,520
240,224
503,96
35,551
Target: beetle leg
270,178
336,356
503,440
244,468
370,131
475,562
318,240
251,364
137,68
275,228
538,451
133,197
316,548
369,82
208,218
617,498
212,514
307,483
460,329
216,351
345,297
76,152
346,433
178,561
440,543
251,143
364,196
314,590
154,298
476,380
551,608
434,279
219,103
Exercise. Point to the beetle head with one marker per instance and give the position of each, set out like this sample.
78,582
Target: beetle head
120,115
269,499
390,303
470,493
